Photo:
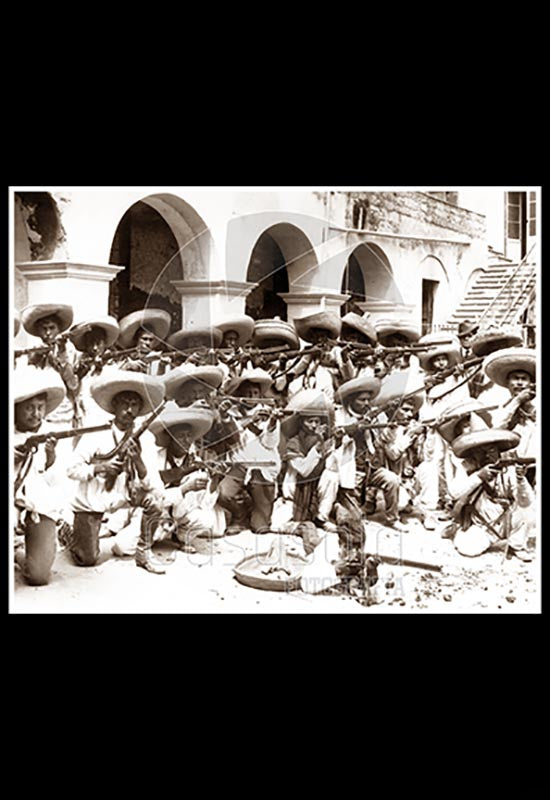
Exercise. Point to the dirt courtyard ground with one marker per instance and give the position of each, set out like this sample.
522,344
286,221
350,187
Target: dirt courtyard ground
204,583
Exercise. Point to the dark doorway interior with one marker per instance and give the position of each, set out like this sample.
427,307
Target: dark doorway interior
267,268
353,283
429,288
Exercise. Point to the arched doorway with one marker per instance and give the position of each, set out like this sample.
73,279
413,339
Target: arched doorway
281,257
436,295
368,278
159,239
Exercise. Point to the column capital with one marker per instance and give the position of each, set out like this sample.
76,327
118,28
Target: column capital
229,288
51,270
314,298
386,308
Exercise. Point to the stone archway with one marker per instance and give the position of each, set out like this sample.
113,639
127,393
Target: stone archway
368,278
281,257
160,241
437,301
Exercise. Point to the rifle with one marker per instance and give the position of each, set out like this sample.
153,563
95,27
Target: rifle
114,355
39,438
129,436
381,350
448,371
508,461
60,340
436,422
32,442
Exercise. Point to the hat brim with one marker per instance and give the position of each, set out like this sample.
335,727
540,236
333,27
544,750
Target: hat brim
199,419
306,403
176,378
150,389
324,320
258,376
269,329
31,382
209,337
108,325
486,343
31,316
397,385
460,413
501,363
426,358
146,319
385,328
354,322
468,442
243,326
357,385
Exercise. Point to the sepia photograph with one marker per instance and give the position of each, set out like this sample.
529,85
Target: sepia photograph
274,400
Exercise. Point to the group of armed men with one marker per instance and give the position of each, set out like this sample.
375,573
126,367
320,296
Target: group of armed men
125,430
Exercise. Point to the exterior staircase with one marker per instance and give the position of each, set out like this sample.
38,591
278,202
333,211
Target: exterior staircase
500,295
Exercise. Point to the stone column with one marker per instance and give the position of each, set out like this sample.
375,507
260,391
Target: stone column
301,304
83,286
205,302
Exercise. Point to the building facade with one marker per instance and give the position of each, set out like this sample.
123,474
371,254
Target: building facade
201,254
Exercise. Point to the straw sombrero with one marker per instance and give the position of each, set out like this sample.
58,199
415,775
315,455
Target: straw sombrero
307,402
465,408
501,363
276,328
174,380
398,384
108,325
243,325
504,440
361,325
356,385
154,320
452,351
494,338
207,337
31,315
327,321
105,387
29,381
200,420
256,375
386,327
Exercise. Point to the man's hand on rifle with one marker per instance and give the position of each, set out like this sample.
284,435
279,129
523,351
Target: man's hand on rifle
109,469
521,470
525,395
488,473
194,483
133,450
49,447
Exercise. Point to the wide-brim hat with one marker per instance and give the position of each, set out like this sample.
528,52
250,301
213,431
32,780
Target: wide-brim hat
175,379
31,316
30,381
366,383
307,402
360,324
471,408
465,328
398,384
243,325
492,339
407,328
16,323
105,387
199,418
501,363
324,320
107,324
452,351
257,375
154,320
276,328
504,440
208,336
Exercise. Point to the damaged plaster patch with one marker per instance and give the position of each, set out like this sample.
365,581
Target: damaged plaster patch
42,222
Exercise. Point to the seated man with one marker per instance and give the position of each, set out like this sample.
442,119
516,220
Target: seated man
38,500
515,369
492,505
123,482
